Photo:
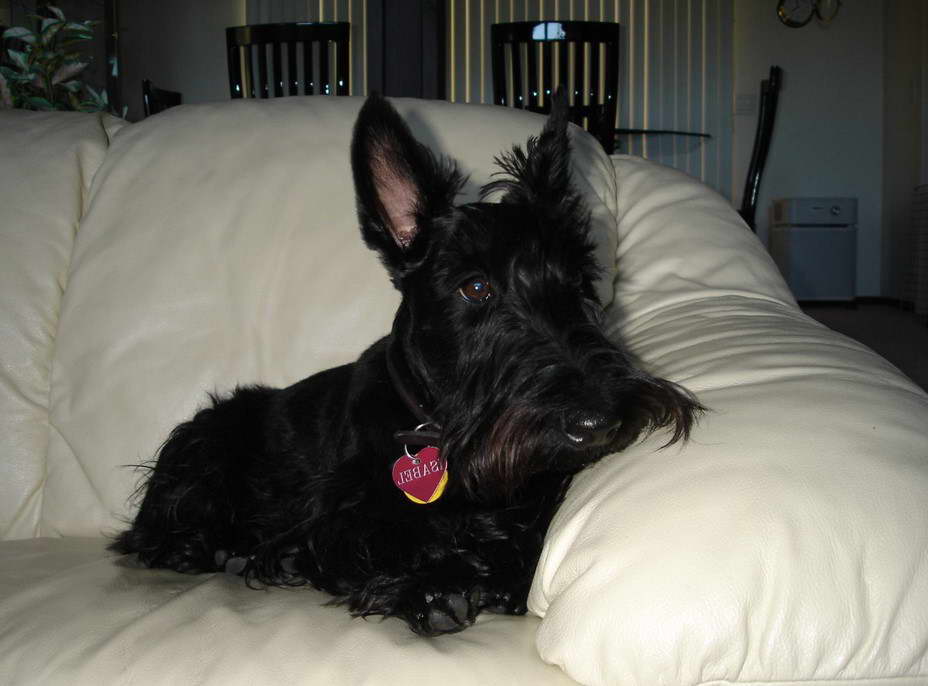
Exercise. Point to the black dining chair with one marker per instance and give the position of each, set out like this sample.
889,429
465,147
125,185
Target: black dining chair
316,59
156,100
531,59
769,95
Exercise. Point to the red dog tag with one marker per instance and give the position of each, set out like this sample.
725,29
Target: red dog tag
423,476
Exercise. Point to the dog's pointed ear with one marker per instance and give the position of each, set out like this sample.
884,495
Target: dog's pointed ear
550,158
540,174
400,185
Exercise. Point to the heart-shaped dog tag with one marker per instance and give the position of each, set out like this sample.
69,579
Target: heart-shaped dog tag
423,476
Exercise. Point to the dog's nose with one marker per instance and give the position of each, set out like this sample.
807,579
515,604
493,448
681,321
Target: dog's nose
589,429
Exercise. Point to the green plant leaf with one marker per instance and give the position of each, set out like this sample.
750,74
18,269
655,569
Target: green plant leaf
20,59
57,12
19,33
14,76
67,71
78,27
69,56
73,34
98,100
89,106
50,29
40,103
6,95
72,86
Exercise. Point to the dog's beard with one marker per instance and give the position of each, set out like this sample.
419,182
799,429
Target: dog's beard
493,460
503,425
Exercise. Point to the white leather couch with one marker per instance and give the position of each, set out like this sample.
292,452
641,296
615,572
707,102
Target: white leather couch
143,265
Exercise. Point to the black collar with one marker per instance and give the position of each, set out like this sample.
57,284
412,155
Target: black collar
401,378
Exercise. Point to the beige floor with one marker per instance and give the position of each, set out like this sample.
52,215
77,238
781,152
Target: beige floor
896,334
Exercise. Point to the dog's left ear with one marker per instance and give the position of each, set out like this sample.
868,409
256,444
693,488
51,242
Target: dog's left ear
400,185
540,174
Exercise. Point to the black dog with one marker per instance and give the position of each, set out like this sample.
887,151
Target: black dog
497,371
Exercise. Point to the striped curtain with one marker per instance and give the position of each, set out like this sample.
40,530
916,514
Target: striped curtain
675,67
675,71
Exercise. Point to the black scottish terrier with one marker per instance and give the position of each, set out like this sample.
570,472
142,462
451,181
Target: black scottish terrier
419,481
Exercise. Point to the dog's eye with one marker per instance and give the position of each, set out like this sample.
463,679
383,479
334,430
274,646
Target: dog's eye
476,290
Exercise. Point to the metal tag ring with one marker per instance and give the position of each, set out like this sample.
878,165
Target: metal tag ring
406,448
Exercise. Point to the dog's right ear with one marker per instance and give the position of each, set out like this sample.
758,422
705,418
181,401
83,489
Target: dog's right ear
539,175
400,185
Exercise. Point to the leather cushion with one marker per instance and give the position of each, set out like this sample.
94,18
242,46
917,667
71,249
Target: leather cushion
788,540
46,167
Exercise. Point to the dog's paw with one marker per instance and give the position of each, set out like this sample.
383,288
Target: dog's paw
433,612
503,602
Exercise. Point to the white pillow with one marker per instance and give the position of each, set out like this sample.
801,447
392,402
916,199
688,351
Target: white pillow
788,540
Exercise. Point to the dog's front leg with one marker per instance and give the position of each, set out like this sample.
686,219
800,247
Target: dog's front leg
443,593
488,567
448,598
444,597
460,560
412,571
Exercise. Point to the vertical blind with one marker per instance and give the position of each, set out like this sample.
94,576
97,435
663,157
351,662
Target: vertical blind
675,65
675,71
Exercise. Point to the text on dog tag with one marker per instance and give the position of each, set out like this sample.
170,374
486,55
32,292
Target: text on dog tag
423,476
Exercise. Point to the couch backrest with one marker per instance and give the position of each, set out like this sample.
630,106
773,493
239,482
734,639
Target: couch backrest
218,246
47,163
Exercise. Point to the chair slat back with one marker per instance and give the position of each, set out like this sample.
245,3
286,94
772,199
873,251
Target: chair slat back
531,59
321,45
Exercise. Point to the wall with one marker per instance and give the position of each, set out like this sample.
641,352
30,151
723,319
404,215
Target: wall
902,134
923,177
828,138
179,45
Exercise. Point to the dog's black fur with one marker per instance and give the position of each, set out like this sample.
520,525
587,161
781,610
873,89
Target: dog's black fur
497,341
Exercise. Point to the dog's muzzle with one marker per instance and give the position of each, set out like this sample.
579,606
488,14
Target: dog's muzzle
590,429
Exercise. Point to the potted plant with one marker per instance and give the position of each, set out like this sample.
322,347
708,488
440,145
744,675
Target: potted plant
42,67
